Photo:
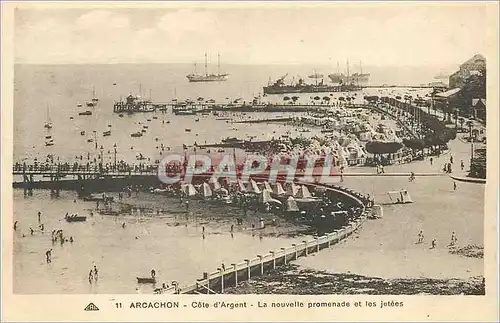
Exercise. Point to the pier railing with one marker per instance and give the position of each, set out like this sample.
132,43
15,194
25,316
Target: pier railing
218,280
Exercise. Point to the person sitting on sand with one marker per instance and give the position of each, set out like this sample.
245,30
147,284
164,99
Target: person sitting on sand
433,244
153,273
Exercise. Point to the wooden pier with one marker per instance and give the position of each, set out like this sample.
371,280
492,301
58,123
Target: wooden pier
215,282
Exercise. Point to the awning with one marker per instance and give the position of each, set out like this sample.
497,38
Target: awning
448,93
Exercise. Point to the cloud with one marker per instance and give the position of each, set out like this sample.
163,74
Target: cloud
101,19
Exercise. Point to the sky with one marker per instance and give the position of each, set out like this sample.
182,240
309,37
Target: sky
399,34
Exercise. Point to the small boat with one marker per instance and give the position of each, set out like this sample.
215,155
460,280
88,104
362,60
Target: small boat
106,133
48,124
188,130
71,118
48,137
145,126
79,105
136,134
90,140
155,117
143,130
49,143
76,218
108,212
85,113
121,115
196,120
109,125
146,280
149,120
90,104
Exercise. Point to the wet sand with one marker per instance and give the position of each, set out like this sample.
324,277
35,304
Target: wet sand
385,250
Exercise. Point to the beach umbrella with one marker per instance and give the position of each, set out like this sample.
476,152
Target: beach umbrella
286,98
317,98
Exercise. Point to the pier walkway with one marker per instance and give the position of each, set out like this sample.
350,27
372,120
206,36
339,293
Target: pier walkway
216,281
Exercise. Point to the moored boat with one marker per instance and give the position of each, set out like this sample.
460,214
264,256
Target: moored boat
106,133
146,280
76,218
85,113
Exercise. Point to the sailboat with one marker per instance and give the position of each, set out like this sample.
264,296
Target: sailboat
195,77
94,100
48,124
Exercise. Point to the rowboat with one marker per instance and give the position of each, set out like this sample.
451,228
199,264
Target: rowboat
76,218
146,280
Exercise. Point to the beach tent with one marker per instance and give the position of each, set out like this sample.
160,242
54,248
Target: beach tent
377,211
267,186
215,183
304,193
265,197
206,190
253,187
292,189
401,196
278,189
241,186
189,190
291,205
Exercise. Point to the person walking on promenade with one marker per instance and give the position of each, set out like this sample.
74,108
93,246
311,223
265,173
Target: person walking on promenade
32,231
431,160
48,255
462,165
454,186
39,215
433,244
91,276
96,273
451,159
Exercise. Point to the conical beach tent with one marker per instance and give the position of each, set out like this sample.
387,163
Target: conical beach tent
278,189
189,190
291,205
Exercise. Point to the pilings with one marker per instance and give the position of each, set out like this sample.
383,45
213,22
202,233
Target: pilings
218,280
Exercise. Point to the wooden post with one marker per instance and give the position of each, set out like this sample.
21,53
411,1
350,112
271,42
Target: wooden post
305,243
235,275
261,265
274,258
221,280
294,245
248,268
284,255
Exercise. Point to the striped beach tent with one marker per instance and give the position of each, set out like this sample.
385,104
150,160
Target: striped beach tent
278,189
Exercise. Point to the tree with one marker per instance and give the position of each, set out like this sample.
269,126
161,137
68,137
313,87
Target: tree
377,147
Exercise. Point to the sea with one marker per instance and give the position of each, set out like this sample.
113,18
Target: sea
52,93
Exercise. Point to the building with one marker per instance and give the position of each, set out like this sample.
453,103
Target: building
473,66
479,109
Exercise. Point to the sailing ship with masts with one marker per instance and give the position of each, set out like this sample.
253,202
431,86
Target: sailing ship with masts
195,77
339,77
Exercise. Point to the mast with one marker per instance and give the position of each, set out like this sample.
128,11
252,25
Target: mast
206,64
218,63
348,78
